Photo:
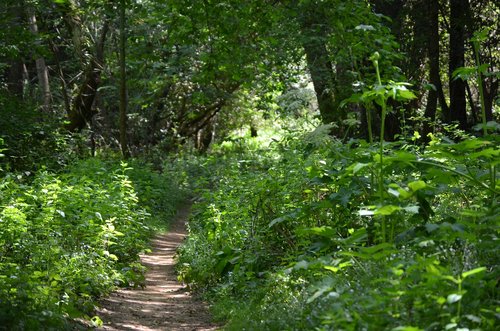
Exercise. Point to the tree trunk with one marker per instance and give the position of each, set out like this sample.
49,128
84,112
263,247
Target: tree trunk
318,62
41,67
62,80
15,81
433,53
123,85
458,111
14,73
82,109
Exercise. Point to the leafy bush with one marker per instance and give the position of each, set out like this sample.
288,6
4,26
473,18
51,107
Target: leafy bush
69,238
311,234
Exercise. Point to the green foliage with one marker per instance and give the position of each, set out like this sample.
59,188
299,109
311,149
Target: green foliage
291,237
31,139
68,239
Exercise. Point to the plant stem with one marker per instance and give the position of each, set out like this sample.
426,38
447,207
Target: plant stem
459,307
369,120
381,151
492,171
381,176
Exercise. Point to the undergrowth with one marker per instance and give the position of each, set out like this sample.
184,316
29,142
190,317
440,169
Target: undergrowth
299,236
71,237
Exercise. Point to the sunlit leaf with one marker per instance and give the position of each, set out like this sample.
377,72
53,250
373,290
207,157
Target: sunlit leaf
473,318
393,192
364,27
365,212
473,272
405,94
417,185
317,294
407,328
387,210
452,298
412,209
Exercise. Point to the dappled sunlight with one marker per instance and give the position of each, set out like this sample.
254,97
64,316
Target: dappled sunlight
164,303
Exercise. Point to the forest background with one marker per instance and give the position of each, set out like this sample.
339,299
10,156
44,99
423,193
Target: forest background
343,156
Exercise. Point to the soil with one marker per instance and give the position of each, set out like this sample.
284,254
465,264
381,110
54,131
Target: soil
164,303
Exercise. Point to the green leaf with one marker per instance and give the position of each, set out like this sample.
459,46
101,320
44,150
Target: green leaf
377,248
411,209
318,293
402,156
366,212
417,185
97,321
404,94
276,221
441,300
473,318
331,268
358,166
387,210
407,328
364,27
452,279
481,35
452,298
470,144
301,265
323,231
473,272
430,87
393,192
489,153
431,227
464,73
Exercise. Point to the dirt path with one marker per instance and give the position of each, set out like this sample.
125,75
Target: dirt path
164,304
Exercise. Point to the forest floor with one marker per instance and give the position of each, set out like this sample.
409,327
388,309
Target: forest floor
164,303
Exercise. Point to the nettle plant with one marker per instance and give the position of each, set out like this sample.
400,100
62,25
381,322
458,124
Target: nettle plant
378,95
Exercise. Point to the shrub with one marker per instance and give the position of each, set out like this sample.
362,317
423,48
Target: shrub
69,238
309,235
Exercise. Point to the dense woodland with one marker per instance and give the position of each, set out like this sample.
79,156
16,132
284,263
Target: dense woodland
342,157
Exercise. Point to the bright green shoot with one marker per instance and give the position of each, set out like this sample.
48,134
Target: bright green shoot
380,94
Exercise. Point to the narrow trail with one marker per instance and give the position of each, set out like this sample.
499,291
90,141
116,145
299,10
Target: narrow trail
164,304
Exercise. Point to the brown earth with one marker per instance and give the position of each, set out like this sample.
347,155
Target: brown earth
164,303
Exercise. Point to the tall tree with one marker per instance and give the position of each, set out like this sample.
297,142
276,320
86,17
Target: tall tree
123,84
433,53
12,46
458,15
87,42
41,67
